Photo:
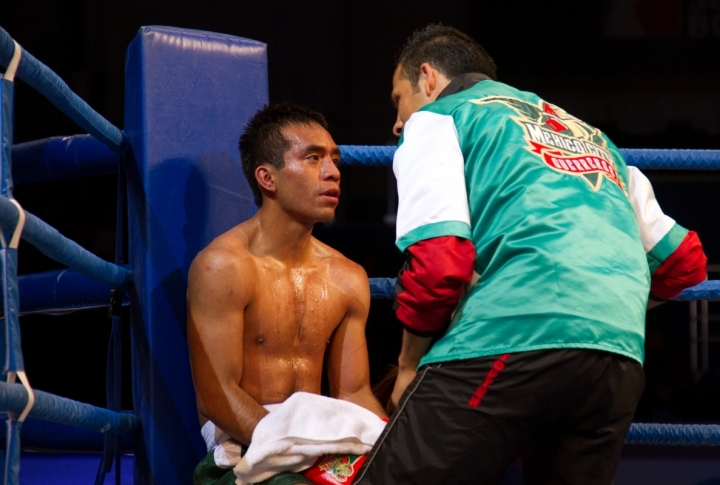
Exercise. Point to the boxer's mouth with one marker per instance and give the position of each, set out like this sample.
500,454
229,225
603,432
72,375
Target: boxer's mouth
331,194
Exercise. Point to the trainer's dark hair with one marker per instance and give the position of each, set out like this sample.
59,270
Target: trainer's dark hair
262,142
446,49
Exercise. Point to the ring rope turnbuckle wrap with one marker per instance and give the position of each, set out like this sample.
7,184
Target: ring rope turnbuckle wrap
12,67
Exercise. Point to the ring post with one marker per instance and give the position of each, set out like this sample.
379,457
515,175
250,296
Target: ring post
188,96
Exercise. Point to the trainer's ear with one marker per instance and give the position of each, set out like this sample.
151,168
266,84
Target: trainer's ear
265,176
427,81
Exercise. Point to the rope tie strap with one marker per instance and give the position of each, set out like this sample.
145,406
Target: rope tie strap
19,226
31,394
14,242
14,62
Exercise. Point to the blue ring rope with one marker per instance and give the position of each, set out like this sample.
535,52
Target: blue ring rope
707,290
61,290
13,397
66,157
49,84
45,435
367,155
62,158
645,158
673,434
659,159
56,246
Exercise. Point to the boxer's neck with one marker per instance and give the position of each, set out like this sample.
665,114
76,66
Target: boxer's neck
277,234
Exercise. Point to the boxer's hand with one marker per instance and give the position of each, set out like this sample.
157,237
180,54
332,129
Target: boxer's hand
404,378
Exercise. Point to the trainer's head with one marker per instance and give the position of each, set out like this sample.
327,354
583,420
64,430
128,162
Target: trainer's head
429,60
289,157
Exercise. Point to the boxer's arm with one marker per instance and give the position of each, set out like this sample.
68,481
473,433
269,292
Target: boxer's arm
348,369
217,296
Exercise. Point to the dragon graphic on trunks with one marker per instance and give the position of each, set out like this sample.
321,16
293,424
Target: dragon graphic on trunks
561,141
339,467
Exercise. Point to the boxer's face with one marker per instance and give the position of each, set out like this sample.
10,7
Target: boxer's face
407,100
308,186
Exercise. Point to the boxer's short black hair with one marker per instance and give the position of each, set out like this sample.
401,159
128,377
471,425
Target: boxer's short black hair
262,142
446,49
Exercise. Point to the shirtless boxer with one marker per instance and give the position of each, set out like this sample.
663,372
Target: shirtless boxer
266,300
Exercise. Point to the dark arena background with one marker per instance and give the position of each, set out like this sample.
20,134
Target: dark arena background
646,72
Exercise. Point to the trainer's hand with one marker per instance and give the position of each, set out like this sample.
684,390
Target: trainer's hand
654,303
404,378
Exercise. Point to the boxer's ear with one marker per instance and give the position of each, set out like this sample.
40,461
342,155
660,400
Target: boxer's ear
265,176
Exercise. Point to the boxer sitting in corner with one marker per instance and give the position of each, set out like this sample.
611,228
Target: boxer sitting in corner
267,302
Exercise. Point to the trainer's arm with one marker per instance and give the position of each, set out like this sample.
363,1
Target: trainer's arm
348,367
217,296
413,348
433,230
431,283
675,255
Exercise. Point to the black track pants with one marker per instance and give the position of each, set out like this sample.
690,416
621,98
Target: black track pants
564,412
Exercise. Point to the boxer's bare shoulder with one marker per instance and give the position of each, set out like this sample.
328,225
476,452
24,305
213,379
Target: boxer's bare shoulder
349,277
222,270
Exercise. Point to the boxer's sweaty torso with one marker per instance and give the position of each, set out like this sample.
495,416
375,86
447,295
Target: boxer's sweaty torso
290,318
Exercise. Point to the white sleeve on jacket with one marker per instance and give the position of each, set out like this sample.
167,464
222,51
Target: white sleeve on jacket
654,225
430,170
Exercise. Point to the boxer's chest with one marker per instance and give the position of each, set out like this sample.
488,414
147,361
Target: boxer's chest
295,306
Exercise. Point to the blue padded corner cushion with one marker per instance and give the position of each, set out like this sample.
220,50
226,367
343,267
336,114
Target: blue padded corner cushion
188,97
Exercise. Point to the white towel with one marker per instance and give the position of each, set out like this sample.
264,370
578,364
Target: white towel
301,429
227,451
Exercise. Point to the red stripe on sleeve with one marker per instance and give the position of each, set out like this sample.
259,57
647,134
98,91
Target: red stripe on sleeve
685,267
432,282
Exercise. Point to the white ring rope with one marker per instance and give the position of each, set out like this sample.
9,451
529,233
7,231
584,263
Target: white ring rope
12,67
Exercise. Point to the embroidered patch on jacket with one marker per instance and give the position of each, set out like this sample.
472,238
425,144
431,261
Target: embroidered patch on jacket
563,142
